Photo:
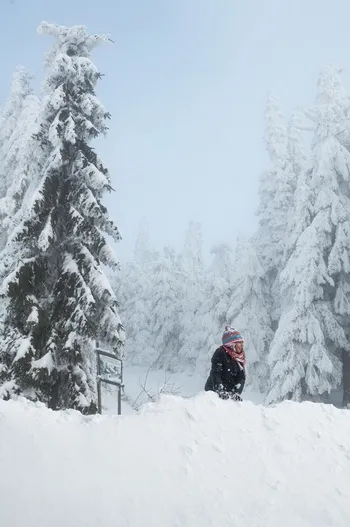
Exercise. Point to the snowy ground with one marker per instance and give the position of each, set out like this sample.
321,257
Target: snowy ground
143,385
182,462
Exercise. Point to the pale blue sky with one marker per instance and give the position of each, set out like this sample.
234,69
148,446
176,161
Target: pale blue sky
186,83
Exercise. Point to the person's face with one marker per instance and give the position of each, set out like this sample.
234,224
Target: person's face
239,347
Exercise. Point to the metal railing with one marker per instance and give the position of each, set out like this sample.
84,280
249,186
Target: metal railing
118,383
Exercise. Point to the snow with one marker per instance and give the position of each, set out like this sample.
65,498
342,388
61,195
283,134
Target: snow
143,385
45,235
23,348
34,314
178,462
45,362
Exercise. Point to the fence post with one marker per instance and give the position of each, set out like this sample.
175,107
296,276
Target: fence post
100,380
120,389
98,359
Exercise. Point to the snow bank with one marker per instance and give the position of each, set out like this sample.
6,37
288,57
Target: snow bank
143,384
196,462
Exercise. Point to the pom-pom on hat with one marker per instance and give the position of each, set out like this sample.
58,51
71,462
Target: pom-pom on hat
231,335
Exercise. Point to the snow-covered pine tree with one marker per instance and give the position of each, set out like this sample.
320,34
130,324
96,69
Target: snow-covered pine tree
306,352
133,285
164,310
212,312
143,253
299,210
17,125
135,299
19,90
191,281
276,190
58,298
296,147
191,257
249,310
222,261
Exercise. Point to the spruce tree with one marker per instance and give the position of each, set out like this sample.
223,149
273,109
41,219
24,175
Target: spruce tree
20,89
134,288
211,316
310,342
249,310
143,252
164,310
17,149
277,186
58,298
191,275
134,291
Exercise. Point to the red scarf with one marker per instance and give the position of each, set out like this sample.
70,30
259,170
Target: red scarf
239,357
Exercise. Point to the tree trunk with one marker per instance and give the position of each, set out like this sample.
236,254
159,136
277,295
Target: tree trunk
346,378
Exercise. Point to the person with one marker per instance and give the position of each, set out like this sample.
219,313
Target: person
227,375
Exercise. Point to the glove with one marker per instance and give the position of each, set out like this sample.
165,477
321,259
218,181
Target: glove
235,397
222,393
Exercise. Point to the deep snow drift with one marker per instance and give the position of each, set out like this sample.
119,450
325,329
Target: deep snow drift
195,462
144,385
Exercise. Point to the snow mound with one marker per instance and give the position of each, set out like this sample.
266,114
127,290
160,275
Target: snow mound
195,462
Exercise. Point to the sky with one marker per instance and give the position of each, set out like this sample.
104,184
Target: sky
186,83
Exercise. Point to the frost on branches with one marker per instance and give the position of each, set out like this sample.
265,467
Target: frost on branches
135,295
310,341
59,299
212,310
133,285
17,150
19,91
164,310
191,281
249,311
276,192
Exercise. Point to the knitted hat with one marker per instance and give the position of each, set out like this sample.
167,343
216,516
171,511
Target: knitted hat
231,335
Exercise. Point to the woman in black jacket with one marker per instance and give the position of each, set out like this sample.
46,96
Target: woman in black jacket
227,375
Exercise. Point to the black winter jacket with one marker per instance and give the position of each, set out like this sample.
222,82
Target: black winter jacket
226,371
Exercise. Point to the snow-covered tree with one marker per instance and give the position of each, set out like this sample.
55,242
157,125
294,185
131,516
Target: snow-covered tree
310,341
143,253
191,296
17,150
277,186
9,115
23,164
221,264
295,146
134,288
249,310
299,212
134,291
58,299
212,311
164,310
191,257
